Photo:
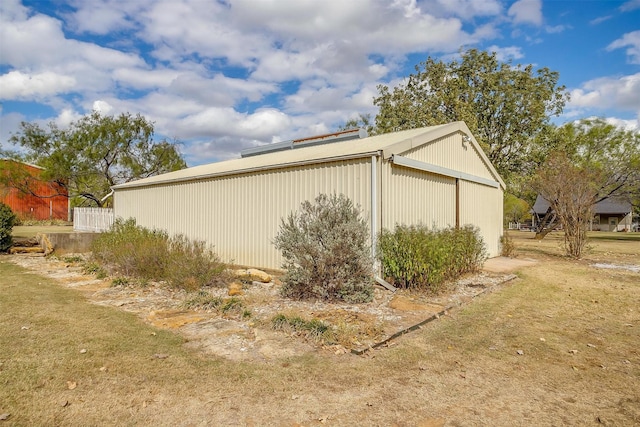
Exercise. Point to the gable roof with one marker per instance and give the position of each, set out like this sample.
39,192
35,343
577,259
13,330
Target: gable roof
607,206
386,145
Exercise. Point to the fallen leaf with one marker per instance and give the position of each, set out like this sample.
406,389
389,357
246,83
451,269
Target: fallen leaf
591,345
83,351
543,340
4,417
103,369
71,385
25,328
520,352
574,368
64,403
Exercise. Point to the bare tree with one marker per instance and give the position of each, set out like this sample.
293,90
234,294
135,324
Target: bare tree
571,191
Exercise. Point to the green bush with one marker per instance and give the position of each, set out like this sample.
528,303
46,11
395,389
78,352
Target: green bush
419,258
326,252
135,251
7,221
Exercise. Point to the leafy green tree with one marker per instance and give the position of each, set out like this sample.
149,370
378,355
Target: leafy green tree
363,121
610,154
93,154
504,106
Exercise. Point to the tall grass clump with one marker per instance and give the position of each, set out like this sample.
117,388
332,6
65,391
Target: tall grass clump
7,221
416,257
326,252
135,251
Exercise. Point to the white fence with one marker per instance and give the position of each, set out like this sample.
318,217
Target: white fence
92,219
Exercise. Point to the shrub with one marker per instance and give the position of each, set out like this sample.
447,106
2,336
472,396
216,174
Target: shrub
507,247
326,252
7,221
138,252
420,258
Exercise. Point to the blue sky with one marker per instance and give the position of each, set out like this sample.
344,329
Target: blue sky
226,75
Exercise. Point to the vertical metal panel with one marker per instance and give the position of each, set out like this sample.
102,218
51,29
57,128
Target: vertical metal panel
482,206
240,214
453,153
415,197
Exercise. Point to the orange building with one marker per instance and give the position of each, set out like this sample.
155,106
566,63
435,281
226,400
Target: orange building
31,198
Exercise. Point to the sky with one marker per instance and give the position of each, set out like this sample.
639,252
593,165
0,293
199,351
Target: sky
222,76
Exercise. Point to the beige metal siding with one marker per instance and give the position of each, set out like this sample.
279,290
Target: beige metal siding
482,206
450,152
416,197
240,214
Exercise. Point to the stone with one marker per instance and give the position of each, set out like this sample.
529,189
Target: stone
235,289
259,275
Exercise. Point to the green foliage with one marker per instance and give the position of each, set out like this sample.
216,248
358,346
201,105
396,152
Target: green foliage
314,328
515,209
417,257
504,106
136,251
608,154
95,153
362,121
7,221
326,252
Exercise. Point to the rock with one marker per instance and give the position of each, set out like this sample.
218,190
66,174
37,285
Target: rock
235,289
71,385
160,356
520,352
83,351
258,275
573,351
4,417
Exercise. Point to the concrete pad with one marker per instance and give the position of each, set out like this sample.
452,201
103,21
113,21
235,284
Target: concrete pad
503,264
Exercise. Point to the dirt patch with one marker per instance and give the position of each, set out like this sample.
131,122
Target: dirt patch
249,336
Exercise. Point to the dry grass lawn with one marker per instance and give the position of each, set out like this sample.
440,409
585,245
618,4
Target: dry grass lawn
558,346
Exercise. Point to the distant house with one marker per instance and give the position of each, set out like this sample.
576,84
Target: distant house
609,214
30,197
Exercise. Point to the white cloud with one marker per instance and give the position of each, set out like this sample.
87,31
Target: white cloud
609,92
630,5
506,53
18,85
526,12
632,42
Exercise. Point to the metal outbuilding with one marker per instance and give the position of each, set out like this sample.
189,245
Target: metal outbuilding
438,176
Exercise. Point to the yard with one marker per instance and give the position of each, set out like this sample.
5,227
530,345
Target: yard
560,345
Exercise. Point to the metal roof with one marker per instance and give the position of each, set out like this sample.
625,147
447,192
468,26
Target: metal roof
607,206
386,145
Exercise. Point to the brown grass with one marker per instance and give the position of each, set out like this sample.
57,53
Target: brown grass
577,327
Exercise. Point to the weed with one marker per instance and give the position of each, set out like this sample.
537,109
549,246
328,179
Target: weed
203,300
95,269
507,247
72,259
314,328
120,281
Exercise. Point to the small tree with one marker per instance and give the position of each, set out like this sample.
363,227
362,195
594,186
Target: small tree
571,192
7,221
326,251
